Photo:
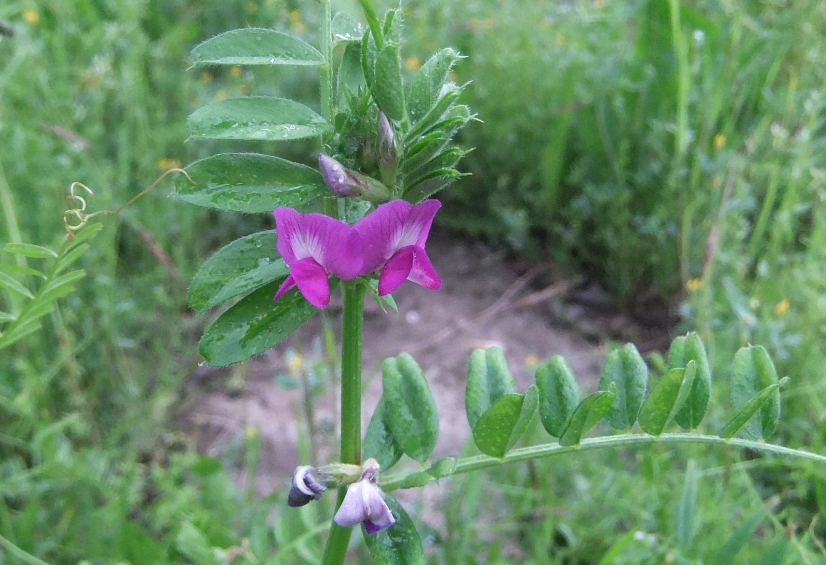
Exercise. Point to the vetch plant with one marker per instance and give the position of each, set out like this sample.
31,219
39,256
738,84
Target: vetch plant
385,150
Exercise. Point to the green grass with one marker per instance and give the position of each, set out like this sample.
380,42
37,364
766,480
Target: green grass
619,139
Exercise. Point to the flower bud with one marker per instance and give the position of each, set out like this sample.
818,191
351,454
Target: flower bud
388,153
337,178
387,140
305,487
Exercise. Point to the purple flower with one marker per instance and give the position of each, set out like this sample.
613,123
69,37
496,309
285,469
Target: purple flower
314,247
338,179
364,502
305,487
394,237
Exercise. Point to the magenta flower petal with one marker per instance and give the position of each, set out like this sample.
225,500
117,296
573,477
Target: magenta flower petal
396,271
393,226
312,281
421,216
376,230
334,245
423,273
288,283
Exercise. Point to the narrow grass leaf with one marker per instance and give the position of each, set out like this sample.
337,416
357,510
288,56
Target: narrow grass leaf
410,409
6,317
750,408
684,349
69,258
388,89
86,233
18,332
741,536
253,325
666,398
379,442
22,270
504,423
29,250
587,414
488,380
626,369
753,371
687,509
400,544
249,183
776,554
245,264
558,394
426,85
63,280
256,46
256,118
193,544
12,285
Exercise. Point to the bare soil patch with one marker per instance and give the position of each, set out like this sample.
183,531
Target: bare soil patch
485,300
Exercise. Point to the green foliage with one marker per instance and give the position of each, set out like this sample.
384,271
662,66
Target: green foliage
256,46
488,380
627,373
379,442
683,350
504,423
410,409
666,398
558,394
248,182
399,545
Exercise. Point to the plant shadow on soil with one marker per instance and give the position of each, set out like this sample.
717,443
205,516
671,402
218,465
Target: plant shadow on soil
487,299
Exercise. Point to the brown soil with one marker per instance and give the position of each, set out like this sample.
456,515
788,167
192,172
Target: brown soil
485,300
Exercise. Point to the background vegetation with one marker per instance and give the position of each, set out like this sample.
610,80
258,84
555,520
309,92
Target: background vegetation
673,151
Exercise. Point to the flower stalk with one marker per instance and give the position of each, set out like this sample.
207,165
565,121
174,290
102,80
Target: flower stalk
351,346
479,462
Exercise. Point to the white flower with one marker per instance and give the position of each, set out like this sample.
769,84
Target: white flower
364,502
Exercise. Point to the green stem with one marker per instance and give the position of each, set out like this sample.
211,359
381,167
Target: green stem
351,342
327,67
479,462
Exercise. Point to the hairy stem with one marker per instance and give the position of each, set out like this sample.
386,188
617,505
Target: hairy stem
351,342
479,462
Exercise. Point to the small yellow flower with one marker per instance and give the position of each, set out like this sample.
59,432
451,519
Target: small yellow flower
719,140
32,18
295,16
782,307
693,284
412,63
560,40
166,164
244,89
531,360
295,364
206,77
220,95
235,71
598,4
252,7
